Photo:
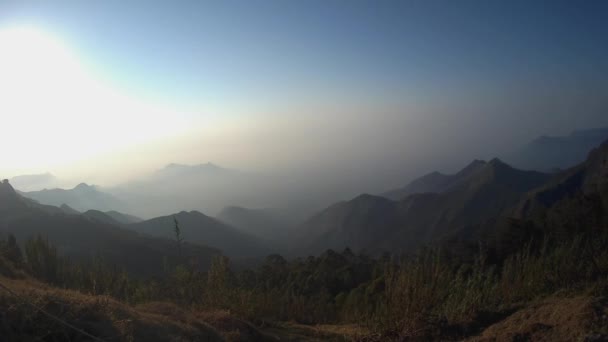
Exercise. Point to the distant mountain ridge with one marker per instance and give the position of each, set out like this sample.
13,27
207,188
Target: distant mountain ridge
435,182
576,188
479,192
79,236
572,202
557,152
178,187
34,182
83,197
199,228
490,203
69,210
111,217
123,218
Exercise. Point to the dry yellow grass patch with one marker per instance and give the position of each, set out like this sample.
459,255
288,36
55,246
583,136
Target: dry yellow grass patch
555,319
100,316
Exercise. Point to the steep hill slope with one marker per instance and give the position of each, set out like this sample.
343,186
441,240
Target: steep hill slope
201,229
69,210
101,217
572,202
576,199
376,223
435,182
551,152
122,217
80,237
82,197
33,311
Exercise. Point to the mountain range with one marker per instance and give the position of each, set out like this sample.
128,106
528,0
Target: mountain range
82,197
572,202
435,182
446,204
199,228
547,153
34,182
177,187
497,217
79,236
485,200
111,217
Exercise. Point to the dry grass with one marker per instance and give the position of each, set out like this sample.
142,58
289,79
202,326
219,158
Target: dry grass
294,332
580,318
230,327
98,315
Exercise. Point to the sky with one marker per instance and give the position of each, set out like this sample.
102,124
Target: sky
105,90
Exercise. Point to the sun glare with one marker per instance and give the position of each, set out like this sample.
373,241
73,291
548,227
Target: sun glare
54,112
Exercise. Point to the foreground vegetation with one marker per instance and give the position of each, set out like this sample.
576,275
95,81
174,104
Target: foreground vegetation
426,296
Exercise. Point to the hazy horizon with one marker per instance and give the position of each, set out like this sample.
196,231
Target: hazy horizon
371,94
303,170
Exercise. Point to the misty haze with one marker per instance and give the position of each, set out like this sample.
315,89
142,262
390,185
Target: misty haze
303,171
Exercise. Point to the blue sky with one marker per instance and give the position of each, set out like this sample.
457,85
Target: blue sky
498,64
187,52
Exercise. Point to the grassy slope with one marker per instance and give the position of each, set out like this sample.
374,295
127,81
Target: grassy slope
107,318
100,316
578,318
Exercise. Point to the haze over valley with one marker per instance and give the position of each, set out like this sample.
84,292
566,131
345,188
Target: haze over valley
303,171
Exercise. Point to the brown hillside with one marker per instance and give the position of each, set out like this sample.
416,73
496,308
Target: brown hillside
555,319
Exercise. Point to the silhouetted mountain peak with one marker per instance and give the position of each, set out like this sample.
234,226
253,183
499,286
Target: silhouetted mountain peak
7,192
436,182
190,214
569,192
199,228
6,187
84,187
496,163
9,199
497,171
82,198
475,165
549,152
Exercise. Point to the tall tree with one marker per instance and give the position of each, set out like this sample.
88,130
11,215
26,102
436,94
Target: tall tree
178,236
